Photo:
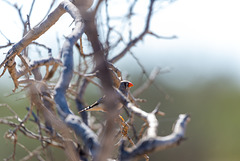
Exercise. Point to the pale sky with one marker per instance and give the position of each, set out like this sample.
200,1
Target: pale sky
208,38
208,34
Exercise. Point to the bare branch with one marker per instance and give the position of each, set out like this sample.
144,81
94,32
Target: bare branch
140,37
162,37
98,136
30,12
4,46
47,14
79,100
149,81
73,121
9,42
149,144
44,46
36,151
38,63
34,34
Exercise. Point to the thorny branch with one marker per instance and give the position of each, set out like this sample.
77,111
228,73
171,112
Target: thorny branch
48,97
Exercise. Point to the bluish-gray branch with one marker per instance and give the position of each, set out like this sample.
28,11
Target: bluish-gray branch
150,144
73,121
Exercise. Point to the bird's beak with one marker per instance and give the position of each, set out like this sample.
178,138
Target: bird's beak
130,84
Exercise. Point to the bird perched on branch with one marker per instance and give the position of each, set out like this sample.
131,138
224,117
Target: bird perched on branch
98,105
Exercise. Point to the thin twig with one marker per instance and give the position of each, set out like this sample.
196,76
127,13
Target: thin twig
30,11
36,151
138,38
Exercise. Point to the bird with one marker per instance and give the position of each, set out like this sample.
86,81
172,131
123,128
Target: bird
98,105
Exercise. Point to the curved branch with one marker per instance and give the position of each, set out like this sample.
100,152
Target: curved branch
73,121
150,144
67,54
35,33
140,37
151,141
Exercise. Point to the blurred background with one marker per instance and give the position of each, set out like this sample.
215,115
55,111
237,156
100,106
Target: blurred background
201,78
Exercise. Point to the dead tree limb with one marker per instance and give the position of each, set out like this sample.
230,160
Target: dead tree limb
73,121
45,98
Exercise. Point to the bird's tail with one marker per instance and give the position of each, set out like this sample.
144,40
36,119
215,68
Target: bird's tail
85,109
92,108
